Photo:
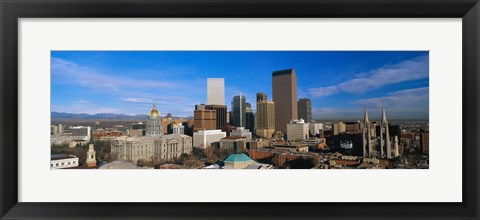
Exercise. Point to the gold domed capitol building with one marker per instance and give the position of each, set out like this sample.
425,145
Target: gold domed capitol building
155,145
154,124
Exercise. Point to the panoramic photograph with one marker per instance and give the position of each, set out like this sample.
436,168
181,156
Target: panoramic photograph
239,110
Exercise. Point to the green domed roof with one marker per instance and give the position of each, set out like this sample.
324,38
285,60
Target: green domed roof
237,158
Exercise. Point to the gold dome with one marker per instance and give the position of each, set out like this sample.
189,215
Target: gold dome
154,112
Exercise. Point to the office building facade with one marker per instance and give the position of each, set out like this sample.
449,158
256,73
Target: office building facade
220,115
215,91
297,130
204,119
284,91
305,109
265,117
239,108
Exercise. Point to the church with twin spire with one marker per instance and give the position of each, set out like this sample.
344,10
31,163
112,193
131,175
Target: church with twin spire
382,146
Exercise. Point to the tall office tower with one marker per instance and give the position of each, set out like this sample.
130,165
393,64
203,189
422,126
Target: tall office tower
215,91
265,118
261,97
385,145
250,121
305,109
204,119
367,136
249,118
284,91
239,110
221,114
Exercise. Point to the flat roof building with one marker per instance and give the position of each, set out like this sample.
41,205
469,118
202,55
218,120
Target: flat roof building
204,138
297,130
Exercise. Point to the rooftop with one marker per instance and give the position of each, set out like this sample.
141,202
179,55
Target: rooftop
61,156
237,158
283,72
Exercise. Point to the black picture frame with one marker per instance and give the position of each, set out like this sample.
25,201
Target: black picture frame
12,10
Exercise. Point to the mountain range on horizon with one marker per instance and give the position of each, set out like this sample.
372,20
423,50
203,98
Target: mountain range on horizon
63,115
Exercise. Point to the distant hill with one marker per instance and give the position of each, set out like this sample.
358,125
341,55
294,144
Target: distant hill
63,115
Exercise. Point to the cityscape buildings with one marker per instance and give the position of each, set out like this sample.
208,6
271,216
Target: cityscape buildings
279,133
154,146
284,92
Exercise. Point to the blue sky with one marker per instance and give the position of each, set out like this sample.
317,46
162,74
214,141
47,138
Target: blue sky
339,83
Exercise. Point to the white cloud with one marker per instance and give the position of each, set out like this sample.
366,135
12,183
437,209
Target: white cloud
407,70
67,72
409,98
83,106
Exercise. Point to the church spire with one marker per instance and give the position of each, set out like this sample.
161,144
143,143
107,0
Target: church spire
384,118
365,117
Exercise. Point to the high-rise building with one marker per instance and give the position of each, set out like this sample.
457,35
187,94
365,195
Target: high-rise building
305,109
215,91
284,91
265,117
239,110
261,97
249,118
221,114
297,130
204,119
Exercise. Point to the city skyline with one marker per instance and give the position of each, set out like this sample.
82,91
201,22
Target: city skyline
339,84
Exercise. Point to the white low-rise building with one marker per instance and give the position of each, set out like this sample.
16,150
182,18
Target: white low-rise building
60,161
204,138
81,133
315,128
178,129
